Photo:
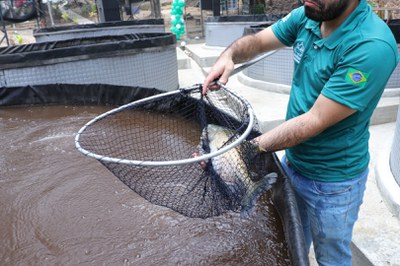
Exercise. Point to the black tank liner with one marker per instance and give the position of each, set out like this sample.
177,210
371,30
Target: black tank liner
256,28
246,18
56,33
102,25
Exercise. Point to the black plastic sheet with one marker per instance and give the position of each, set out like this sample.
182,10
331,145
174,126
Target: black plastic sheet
79,94
94,26
247,18
394,25
256,28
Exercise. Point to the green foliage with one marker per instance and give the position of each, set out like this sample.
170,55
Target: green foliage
65,16
372,4
259,8
86,9
93,8
19,39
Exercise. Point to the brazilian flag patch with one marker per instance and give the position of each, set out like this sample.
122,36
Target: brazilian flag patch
356,77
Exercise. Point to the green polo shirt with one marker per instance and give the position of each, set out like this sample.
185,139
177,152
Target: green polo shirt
351,67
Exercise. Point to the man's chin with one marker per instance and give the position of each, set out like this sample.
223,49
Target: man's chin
312,14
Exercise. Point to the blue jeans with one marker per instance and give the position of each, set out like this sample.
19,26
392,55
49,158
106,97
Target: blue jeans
328,211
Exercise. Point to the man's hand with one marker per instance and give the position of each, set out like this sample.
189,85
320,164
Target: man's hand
219,72
202,164
240,51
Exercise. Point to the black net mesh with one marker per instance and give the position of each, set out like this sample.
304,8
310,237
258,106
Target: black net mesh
172,128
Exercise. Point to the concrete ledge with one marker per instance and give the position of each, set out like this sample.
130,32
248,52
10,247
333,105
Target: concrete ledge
262,85
205,56
376,231
183,60
386,111
386,183
392,92
359,258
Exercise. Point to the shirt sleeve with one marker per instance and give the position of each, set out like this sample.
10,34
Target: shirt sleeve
361,74
286,28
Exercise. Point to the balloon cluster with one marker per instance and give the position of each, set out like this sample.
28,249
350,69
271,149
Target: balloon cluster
177,22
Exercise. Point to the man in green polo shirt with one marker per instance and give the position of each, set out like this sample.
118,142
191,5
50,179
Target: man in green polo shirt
343,57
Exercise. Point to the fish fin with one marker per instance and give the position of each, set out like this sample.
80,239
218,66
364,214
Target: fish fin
250,198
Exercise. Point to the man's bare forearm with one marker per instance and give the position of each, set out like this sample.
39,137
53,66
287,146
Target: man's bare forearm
323,114
249,46
240,51
244,48
289,134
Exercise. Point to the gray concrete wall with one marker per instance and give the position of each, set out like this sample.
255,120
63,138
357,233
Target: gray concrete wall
395,152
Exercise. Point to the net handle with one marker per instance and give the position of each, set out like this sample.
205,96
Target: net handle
163,163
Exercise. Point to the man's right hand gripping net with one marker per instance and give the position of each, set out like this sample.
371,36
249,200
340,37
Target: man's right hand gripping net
184,151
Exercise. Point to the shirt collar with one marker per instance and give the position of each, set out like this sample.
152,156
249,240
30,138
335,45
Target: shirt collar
336,37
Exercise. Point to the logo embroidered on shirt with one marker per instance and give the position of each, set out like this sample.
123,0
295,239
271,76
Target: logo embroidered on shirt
356,77
298,51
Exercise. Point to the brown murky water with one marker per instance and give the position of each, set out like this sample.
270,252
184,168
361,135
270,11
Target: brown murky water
60,207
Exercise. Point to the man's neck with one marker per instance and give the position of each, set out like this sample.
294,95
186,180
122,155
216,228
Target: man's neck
328,27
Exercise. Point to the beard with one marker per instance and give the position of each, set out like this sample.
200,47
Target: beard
326,12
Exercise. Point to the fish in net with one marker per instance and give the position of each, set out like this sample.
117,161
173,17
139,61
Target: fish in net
149,145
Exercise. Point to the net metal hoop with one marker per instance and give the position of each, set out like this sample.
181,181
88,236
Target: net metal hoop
203,157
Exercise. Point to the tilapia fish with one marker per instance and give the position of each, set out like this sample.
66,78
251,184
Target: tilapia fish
234,167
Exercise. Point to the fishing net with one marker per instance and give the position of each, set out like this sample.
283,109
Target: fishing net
182,150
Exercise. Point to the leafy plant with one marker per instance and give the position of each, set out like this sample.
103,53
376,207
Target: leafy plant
19,39
375,4
85,10
372,4
259,8
65,16
93,8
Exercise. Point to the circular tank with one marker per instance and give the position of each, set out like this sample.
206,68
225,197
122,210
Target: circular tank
58,33
141,59
58,174
223,30
395,152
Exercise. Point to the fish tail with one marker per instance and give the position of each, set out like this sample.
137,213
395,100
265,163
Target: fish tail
250,198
